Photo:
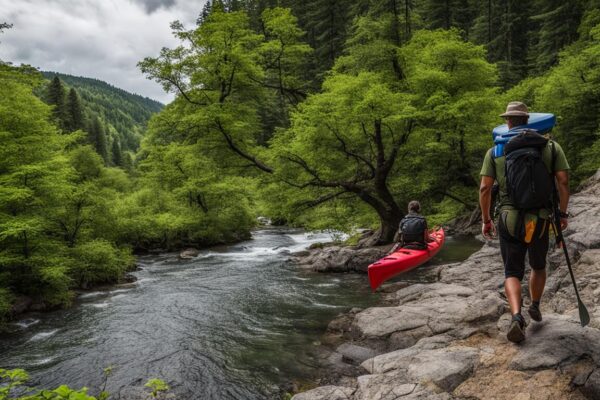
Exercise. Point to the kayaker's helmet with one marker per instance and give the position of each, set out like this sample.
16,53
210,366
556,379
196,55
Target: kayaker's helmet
414,206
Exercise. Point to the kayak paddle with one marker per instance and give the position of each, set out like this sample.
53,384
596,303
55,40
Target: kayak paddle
584,316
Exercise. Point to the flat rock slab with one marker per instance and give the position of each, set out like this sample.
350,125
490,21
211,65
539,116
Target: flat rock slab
386,387
556,341
383,387
446,368
326,393
432,309
354,354
483,270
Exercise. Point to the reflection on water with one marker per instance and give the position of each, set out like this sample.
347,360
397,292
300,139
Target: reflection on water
237,322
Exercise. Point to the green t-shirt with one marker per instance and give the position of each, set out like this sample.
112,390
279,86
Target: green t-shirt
494,168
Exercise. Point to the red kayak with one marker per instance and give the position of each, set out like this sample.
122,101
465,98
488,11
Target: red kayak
404,260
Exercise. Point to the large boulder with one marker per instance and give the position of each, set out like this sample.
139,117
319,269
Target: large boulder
188,254
342,259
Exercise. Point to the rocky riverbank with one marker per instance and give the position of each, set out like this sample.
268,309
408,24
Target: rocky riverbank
446,340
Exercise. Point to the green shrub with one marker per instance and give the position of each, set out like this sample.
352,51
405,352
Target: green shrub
99,261
13,381
6,299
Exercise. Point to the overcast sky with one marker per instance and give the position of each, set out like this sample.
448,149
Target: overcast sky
101,39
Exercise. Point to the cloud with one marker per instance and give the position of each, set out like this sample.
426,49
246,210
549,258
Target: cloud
153,5
102,39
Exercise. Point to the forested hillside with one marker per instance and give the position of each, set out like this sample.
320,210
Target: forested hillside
103,111
324,114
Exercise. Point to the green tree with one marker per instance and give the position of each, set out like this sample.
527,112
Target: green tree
557,23
347,142
117,157
33,178
570,90
56,97
506,30
75,119
97,136
326,22
227,82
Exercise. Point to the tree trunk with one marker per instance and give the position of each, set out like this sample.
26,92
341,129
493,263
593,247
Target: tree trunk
388,229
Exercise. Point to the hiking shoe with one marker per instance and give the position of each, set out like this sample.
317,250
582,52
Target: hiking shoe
535,313
515,333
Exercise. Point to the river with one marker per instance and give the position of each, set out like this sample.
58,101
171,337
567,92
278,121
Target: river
236,322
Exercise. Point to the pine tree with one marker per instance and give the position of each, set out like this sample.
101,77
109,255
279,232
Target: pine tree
117,157
446,14
206,9
98,138
557,23
504,27
74,111
56,97
326,23
127,161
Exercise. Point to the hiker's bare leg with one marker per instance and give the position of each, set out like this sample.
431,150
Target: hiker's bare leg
537,282
512,287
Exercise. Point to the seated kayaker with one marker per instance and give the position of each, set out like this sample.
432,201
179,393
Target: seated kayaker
413,232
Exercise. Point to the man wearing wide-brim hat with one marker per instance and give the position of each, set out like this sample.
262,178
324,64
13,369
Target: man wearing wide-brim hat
513,245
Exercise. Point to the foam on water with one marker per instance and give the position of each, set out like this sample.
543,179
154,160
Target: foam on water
43,361
43,335
99,305
91,295
26,323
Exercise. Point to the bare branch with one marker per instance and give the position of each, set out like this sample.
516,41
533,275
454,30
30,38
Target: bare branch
347,151
305,205
256,162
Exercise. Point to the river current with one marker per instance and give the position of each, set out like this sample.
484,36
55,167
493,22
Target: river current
236,322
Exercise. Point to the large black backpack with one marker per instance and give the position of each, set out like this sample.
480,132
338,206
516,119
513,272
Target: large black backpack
413,229
528,181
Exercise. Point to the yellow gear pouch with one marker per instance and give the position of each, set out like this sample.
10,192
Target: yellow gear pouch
530,224
520,227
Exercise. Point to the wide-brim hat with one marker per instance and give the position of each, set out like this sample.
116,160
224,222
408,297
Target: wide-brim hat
516,109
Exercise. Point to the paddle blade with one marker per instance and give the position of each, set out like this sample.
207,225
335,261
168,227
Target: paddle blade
584,316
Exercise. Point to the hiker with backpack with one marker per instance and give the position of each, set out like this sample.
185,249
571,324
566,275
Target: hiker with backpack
527,169
412,232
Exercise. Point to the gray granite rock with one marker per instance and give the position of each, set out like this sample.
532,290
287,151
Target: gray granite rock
188,254
432,309
354,354
556,341
591,388
342,259
388,387
446,367
326,393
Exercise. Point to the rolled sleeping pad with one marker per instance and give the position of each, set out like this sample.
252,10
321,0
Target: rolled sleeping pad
541,122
